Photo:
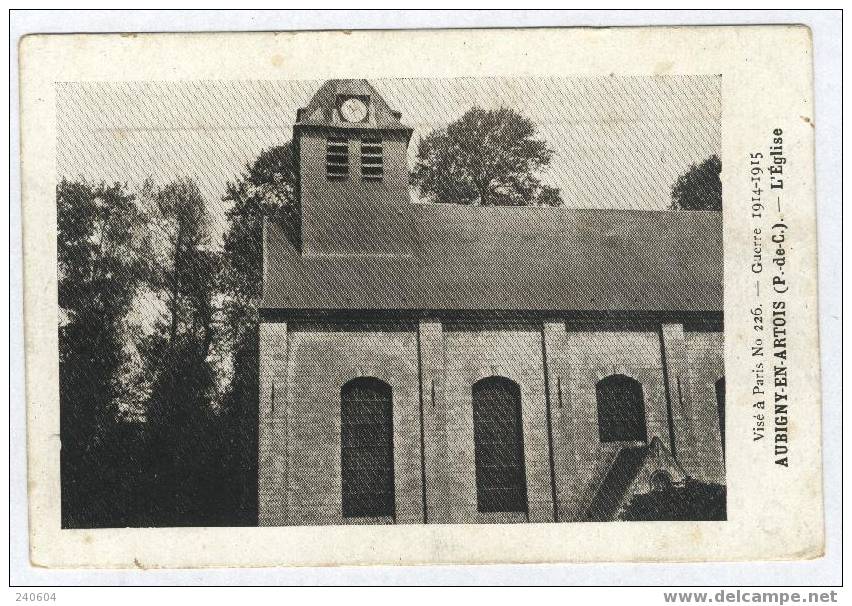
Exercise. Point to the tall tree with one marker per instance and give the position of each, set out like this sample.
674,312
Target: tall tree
179,254
99,274
486,157
700,187
183,426
266,189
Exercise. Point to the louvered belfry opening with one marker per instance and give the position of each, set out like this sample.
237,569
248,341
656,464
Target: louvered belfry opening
499,446
337,158
366,444
621,409
372,163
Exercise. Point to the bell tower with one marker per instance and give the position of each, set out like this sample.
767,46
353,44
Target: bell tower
353,173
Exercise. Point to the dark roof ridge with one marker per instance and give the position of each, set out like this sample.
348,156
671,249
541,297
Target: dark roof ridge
555,209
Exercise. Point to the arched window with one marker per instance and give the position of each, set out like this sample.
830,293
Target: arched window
499,446
366,448
720,406
621,409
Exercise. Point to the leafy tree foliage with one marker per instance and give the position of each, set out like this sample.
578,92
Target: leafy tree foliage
266,189
99,274
191,458
693,501
184,428
700,187
182,270
486,157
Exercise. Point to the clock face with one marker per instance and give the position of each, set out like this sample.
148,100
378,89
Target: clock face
353,110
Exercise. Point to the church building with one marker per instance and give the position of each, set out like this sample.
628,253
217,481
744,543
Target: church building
439,363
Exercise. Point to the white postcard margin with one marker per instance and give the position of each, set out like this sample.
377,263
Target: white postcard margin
775,512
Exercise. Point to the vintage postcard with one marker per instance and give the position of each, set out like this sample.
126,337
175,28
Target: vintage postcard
462,296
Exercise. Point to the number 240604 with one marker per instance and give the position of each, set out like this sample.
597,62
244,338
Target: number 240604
35,597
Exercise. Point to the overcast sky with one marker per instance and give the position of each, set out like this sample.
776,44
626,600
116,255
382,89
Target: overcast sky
619,142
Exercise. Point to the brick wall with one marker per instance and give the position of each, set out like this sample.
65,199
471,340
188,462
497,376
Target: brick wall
322,359
706,366
472,353
272,431
587,358
431,367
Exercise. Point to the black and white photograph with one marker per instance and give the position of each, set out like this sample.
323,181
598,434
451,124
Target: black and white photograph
484,302
390,301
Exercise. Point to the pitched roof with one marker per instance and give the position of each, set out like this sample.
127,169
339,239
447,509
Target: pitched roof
320,109
513,259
